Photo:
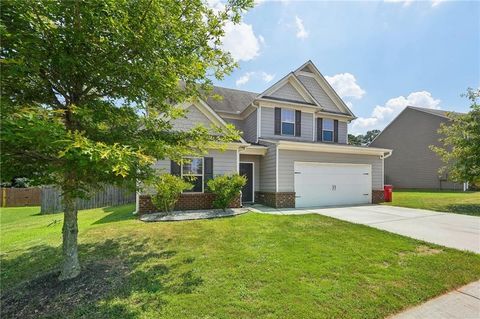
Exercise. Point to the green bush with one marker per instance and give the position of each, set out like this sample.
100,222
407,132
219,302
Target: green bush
168,190
226,188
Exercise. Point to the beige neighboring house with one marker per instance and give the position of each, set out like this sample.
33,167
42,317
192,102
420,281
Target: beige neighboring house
413,164
293,148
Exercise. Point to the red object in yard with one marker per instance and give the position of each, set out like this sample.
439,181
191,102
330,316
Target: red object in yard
387,193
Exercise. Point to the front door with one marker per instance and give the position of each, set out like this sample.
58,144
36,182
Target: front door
246,169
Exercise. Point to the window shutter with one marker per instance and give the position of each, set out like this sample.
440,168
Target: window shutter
175,168
335,131
319,129
207,170
298,123
278,121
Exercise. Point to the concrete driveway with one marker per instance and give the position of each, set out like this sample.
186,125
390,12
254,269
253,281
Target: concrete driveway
450,230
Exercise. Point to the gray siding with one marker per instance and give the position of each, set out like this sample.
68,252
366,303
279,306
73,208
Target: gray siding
193,117
268,123
267,170
256,167
223,162
287,158
237,123
250,127
288,92
342,132
318,93
412,163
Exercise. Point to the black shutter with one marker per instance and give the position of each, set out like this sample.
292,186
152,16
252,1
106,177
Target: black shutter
207,171
335,131
319,129
278,121
175,168
298,123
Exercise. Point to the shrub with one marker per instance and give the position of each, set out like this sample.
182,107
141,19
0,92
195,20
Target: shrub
226,188
168,190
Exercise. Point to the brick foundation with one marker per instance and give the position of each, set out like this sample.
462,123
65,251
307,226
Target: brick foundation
185,202
377,196
276,199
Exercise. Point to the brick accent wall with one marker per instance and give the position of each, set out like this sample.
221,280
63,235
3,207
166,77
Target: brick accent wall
185,202
377,196
276,199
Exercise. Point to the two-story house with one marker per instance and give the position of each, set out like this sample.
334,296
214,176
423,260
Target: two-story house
293,150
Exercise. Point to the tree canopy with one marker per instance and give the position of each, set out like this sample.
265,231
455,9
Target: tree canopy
89,90
461,143
361,139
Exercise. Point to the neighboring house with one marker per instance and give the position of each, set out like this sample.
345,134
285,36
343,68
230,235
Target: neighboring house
293,149
413,164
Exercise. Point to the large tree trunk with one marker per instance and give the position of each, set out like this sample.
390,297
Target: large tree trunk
71,266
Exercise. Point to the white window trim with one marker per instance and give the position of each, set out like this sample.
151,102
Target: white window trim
333,132
282,121
202,175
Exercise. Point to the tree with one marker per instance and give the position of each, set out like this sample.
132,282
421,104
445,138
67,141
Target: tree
89,88
354,140
363,139
460,149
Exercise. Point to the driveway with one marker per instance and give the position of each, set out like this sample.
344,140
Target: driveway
450,230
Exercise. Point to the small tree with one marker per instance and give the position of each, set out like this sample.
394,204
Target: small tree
89,90
226,188
168,189
460,151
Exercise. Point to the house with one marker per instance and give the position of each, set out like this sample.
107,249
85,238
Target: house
413,164
293,150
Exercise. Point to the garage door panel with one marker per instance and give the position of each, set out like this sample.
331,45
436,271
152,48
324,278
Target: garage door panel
326,184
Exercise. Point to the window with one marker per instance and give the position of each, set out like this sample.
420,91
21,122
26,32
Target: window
192,171
288,122
327,130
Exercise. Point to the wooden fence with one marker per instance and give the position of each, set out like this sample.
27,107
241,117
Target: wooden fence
109,196
13,197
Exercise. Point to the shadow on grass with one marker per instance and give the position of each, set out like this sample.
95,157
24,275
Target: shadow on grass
465,209
117,214
113,272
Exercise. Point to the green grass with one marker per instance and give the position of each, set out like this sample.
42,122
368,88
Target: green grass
467,203
248,266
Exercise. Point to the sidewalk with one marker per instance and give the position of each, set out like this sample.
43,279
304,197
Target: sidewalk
463,303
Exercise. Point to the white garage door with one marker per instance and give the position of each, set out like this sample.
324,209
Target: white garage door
326,184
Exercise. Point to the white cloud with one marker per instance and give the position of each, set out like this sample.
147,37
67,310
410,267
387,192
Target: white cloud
436,2
264,76
261,39
267,77
407,3
346,85
301,32
383,114
243,79
240,41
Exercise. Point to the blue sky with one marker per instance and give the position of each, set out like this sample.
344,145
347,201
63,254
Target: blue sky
380,56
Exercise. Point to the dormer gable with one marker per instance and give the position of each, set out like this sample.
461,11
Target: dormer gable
289,89
323,93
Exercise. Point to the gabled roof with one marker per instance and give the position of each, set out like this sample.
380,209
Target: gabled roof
309,67
232,101
440,113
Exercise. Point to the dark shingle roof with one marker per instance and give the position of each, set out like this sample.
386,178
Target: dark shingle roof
440,113
233,101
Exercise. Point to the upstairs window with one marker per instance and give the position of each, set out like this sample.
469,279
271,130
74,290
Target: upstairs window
192,171
288,122
327,130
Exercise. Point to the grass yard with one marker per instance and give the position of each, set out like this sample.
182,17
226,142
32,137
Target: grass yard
249,266
467,203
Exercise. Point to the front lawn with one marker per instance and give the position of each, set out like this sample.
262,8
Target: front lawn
467,203
249,266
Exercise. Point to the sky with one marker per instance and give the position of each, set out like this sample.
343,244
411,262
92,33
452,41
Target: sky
380,56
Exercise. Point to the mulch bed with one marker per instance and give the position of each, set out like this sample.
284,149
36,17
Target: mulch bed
46,296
